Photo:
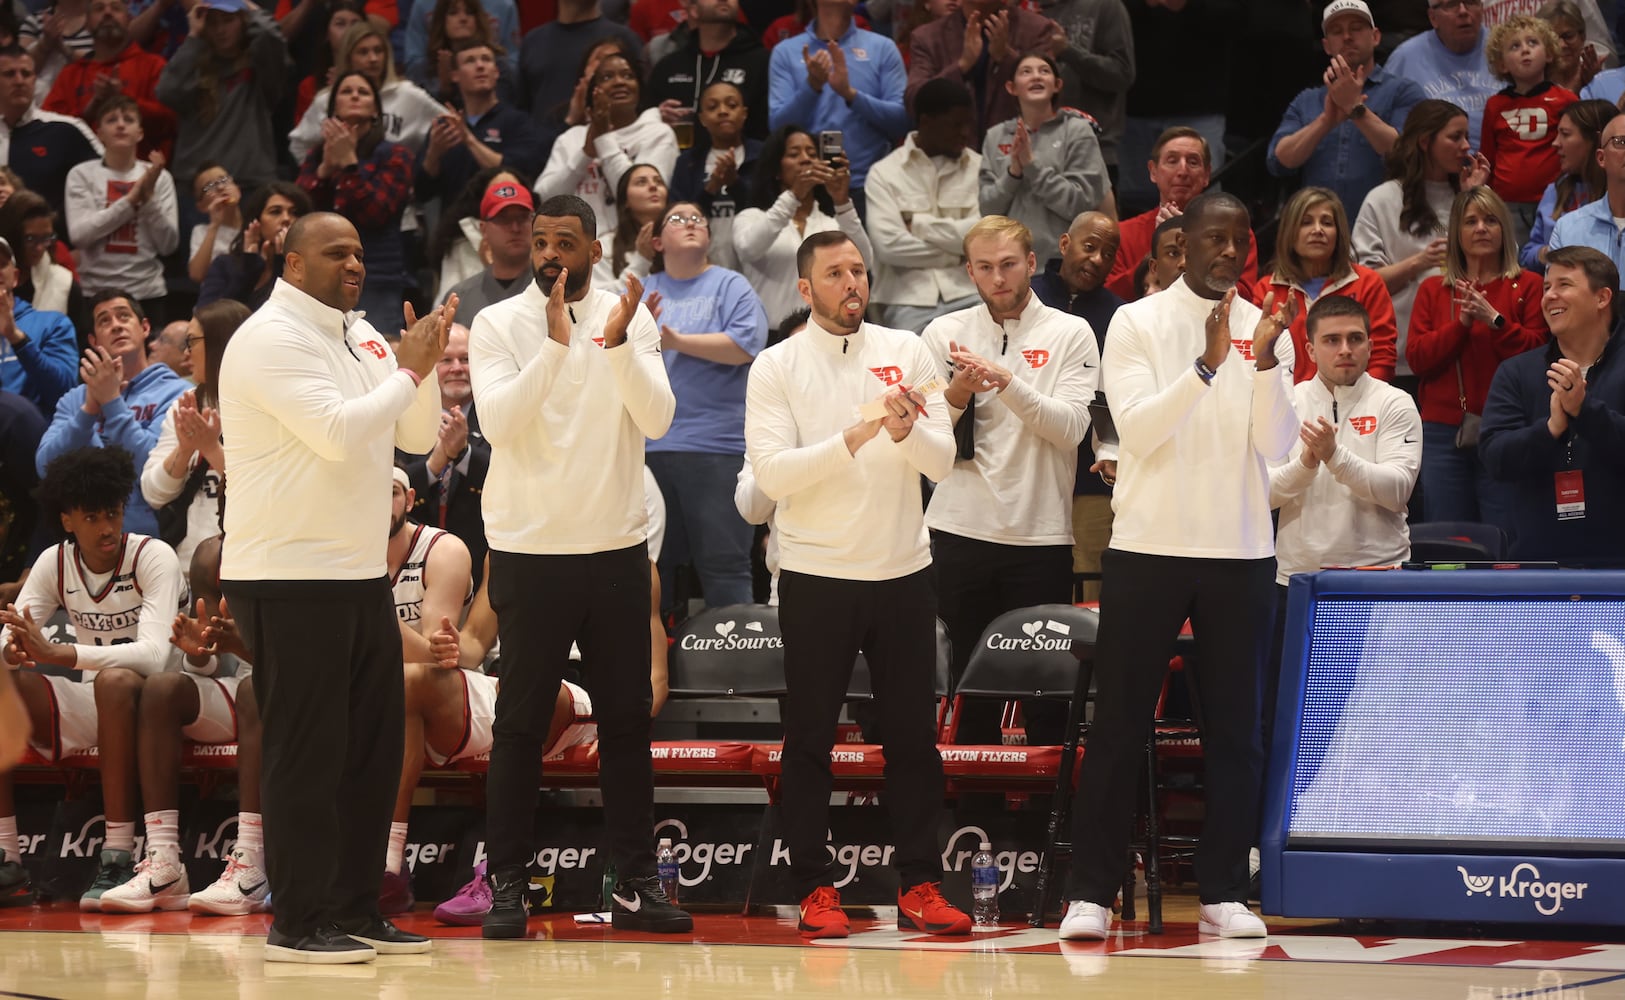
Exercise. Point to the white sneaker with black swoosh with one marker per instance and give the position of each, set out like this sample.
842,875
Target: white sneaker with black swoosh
159,884
240,890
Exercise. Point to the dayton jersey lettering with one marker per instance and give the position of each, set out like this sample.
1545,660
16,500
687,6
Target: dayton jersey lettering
407,583
104,611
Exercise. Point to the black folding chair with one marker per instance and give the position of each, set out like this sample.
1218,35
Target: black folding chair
1457,541
730,652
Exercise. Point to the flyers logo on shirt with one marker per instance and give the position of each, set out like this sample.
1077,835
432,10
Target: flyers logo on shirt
1365,425
599,341
1531,124
1245,347
374,348
40,151
1036,358
124,239
890,374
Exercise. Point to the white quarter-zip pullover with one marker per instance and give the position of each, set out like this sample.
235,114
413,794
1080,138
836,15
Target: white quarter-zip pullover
566,424
1349,511
1017,490
840,515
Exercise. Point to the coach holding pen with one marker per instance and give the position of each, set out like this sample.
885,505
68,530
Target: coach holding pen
312,403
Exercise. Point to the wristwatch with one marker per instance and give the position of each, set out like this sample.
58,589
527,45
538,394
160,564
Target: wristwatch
1499,322
1358,111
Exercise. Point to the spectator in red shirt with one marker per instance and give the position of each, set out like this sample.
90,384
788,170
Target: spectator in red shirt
116,64
1520,120
1180,166
1484,309
1314,259
355,173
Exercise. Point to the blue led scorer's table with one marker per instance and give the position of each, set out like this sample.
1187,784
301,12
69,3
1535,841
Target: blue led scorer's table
1450,746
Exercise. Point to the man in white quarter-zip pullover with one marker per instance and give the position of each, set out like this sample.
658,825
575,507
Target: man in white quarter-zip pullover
569,383
1201,411
838,434
1022,375
312,403
1344,490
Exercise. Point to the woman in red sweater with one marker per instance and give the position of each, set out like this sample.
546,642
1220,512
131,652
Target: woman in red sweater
1484,309
1313,259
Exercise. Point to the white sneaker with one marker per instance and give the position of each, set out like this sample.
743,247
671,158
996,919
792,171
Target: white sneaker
1231,920
241,889
1085,921
159,884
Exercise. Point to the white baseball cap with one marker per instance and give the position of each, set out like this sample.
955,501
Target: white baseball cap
1337,7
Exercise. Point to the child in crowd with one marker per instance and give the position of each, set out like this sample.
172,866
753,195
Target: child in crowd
1519,121
122,211
219,199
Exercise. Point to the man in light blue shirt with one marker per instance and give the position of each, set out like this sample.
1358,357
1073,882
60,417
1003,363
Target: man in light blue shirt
1449,61
839,76
1337,134
1601,224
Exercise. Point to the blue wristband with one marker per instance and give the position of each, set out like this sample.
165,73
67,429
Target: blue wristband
1204,372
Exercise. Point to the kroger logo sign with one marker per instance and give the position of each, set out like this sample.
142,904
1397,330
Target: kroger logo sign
1524,882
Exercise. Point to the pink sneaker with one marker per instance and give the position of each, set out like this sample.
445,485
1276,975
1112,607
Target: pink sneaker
472,902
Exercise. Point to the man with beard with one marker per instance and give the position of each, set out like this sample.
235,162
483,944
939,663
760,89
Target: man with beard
310,397
570,384
429,577
855,570
448,482
1192,540
116,64
1022,377
1076,283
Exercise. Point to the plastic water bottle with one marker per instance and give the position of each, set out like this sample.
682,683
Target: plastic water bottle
666,869
984,887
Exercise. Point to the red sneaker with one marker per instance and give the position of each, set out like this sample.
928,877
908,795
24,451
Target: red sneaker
822,916
922,908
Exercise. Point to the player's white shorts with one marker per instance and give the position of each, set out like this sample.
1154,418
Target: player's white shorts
480,711
74,717
216,709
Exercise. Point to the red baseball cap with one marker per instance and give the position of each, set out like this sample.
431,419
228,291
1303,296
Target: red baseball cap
505,194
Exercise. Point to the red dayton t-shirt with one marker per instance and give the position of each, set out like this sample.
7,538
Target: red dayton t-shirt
1517,140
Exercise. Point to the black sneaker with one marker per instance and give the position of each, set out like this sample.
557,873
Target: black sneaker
641,905
384,937
16,888
327,946
509,908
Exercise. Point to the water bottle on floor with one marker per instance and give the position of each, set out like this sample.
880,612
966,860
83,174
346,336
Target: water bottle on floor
666,869
984,887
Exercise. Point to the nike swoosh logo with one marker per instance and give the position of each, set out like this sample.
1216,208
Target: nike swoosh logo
1087,365
72,590
1410,440
633,905
249,890
156,888
916,914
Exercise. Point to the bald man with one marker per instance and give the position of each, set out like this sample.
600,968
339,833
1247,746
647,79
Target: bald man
168,346
1076,283
311,400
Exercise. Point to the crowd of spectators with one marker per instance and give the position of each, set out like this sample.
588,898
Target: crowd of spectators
1436,154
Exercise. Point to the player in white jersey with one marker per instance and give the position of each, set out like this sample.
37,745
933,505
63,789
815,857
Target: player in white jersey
459,705
120,592
429,574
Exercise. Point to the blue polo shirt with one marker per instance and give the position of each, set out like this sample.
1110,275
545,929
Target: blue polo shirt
1344,160
875,120
1591,226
